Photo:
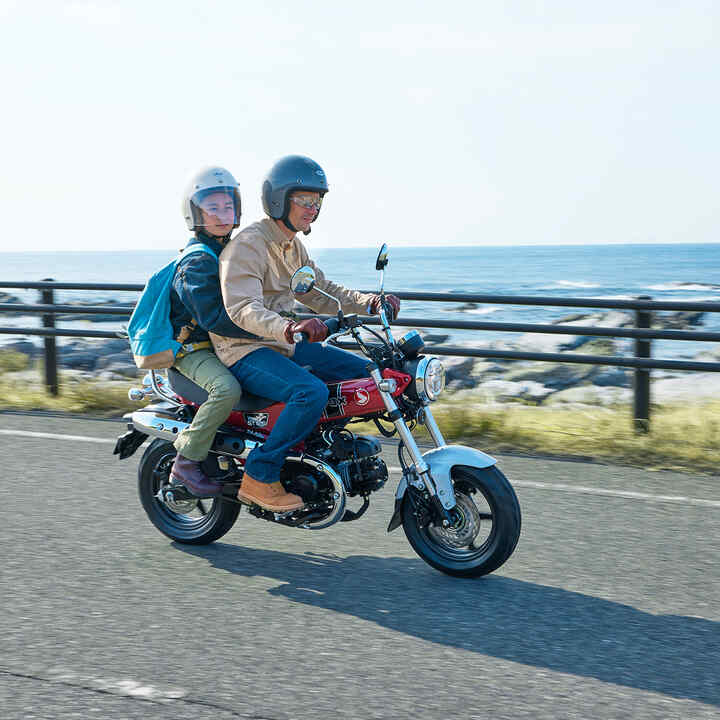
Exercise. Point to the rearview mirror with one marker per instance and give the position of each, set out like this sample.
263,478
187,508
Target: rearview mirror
382,258
303,280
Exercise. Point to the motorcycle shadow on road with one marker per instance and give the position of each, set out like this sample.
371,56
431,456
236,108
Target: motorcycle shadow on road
515,620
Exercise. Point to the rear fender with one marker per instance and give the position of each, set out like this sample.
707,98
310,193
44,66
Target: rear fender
441,461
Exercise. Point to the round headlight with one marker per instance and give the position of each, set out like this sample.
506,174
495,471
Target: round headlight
429,378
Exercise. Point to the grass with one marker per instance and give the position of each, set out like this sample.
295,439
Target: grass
682,437
22,388
11,361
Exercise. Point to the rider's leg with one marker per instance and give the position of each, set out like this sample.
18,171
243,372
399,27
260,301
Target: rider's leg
193,443
330,363
268,373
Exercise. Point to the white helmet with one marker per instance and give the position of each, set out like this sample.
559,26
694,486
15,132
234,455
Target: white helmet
204,183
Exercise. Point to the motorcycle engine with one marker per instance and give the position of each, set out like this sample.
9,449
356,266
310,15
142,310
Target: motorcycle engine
357,461
303,484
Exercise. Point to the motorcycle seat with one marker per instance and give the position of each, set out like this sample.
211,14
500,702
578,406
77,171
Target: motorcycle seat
189,390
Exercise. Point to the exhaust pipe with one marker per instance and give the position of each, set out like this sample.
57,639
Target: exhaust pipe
163,425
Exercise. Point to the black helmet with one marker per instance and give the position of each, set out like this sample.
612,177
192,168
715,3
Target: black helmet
293,172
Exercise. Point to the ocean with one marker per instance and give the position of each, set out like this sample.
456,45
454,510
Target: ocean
664,272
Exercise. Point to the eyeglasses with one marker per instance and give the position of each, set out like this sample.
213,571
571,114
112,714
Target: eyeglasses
307,202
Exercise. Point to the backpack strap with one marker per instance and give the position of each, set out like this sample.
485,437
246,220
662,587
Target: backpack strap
186,330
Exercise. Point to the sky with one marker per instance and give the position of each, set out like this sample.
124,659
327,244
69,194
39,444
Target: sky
501,122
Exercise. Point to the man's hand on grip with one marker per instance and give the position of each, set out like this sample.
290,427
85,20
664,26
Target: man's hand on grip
315,329
390,300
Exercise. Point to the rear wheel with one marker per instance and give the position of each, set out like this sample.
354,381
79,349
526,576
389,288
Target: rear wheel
187,520
486,528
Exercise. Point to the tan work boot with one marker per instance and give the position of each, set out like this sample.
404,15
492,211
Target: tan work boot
270,496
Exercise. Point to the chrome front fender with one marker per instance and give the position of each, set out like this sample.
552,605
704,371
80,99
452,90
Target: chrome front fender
441,461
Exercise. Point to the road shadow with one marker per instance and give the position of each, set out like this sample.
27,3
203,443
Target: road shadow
524,622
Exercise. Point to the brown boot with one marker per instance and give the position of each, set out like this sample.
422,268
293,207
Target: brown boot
270,496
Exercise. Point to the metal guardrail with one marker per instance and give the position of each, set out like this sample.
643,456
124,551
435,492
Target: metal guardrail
643,333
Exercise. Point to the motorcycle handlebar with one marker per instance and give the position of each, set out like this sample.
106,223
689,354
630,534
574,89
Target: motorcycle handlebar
332,324
389,311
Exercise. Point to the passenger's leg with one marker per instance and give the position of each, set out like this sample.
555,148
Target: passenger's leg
268,373
193,444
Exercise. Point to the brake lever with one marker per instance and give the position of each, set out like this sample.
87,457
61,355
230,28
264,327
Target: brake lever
330,339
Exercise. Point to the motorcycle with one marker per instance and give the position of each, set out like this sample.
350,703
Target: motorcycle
457,509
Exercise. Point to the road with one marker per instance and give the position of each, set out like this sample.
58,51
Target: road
609,608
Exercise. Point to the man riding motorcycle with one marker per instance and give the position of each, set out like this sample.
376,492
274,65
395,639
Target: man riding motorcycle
255,271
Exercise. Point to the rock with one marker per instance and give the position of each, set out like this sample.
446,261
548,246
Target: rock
612,377
123,369
77,360
591,395
483,368
457,368
22,346
8,298
692,386
108,376
507,390
679,320
466,306
112,346
114,359
556,376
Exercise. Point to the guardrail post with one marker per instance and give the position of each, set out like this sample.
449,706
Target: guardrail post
48,321
641,384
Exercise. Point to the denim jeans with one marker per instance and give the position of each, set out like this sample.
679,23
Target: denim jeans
270,374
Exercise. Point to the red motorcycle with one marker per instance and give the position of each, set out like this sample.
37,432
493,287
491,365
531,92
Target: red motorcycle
458,510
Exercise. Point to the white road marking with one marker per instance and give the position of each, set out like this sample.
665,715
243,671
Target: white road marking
55,436
628,494
553,487
128,688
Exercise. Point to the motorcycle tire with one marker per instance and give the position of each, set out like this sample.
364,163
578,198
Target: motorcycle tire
443,548
202,524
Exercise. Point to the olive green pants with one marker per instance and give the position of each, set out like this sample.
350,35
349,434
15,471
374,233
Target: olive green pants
204,369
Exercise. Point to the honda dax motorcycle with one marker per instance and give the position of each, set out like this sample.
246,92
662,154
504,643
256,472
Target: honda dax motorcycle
458,511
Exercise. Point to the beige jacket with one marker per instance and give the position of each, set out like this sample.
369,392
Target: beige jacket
255,271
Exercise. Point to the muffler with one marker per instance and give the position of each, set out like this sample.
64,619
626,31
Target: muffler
161,422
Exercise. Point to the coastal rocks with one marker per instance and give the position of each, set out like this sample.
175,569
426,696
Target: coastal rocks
591,395
111,355
612,377
118,363
457,372
22,346
556,376
510,391
8,298
695,385
681,320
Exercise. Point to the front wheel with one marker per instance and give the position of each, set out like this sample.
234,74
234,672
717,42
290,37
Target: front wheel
191,521
486,528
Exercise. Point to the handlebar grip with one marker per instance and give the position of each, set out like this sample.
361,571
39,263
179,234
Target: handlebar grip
332,324
389,311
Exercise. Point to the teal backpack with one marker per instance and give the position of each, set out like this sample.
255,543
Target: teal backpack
150,332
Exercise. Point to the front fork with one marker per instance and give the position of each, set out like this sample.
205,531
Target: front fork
443,498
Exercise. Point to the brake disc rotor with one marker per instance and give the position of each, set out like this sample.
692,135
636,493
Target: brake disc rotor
465,530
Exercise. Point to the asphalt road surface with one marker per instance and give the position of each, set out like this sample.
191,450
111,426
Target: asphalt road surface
609,608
